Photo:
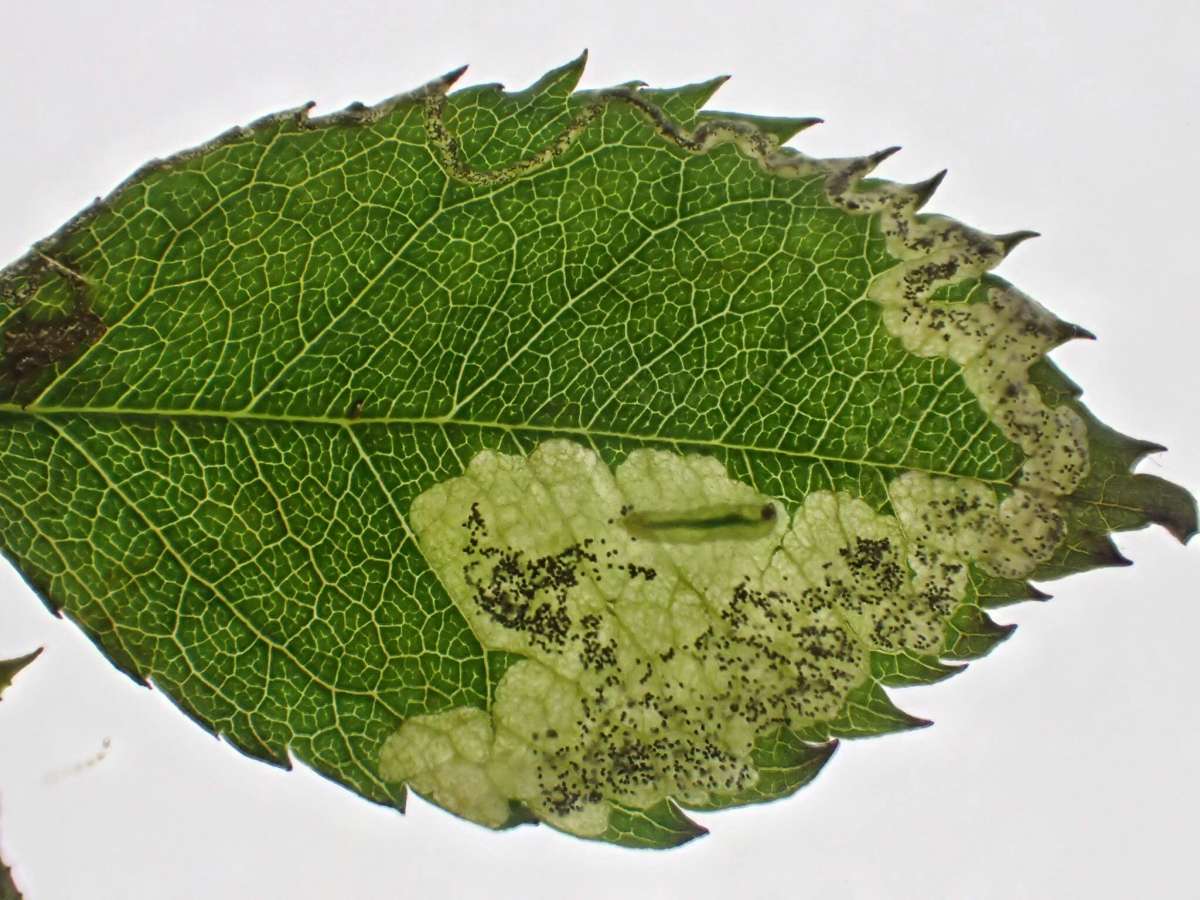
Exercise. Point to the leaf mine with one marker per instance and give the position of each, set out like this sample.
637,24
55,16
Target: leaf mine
653,668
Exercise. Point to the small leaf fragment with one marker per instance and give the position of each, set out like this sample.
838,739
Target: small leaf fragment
8,888
10,667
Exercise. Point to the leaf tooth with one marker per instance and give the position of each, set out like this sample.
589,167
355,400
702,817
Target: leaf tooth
692,830
870,712
1168,505
10,667
788,127
1069,331
972,634
108,644
301,113
782,128
1145,448
923,190
905,669
561,80
682,104
1127,451
1107,554
880,155
992,593
1088,549
258,749
659,827
443,83
1184,527
518,814
914,722
1009,242
845,174
703,91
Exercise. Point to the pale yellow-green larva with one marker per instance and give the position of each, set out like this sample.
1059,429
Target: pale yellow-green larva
717,522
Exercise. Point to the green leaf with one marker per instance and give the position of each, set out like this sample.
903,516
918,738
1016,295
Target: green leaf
572,457
8,670
971,634
8,888
869,712
784,762
10,667
990,592
658,827
907,669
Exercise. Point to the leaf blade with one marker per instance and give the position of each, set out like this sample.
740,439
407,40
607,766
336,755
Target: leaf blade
351,390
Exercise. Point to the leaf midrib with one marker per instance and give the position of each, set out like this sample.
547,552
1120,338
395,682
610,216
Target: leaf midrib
57,411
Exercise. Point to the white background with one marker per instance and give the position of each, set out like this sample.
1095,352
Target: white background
1062,766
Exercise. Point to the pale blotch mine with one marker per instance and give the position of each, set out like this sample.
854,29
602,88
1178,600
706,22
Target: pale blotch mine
651,667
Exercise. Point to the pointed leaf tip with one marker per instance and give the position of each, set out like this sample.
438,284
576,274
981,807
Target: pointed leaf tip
1069,331
451,77
1185,534
685,103
924,190
972,634
870,712
782,128
1010,241
914,723
1148,447
10,667
1176,509
714,85
561,80
706,89
789,128
880,155
1117,559
659,827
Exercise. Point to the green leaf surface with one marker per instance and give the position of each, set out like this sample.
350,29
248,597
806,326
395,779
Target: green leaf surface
657,827
971,633
573,457
10,667
8,670
907,669
8,888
